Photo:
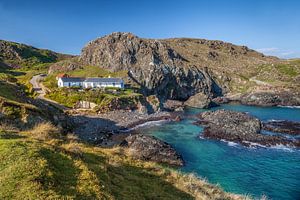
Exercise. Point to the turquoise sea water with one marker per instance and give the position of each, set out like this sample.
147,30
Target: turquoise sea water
274,172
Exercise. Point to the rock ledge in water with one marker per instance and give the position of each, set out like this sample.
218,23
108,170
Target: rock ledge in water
283,126
238,127
149,148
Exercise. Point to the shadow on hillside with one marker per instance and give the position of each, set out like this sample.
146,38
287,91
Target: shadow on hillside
130,182
10,136
94,129
62,175
8,70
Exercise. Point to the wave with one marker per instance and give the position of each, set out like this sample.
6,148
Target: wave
201,137
147,124
283,147
298,107
276,120
278,146
229,143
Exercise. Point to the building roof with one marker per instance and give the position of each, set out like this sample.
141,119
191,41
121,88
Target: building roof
72,79
62,75
104,80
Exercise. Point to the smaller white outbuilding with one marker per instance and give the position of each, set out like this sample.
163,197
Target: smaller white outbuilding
90,82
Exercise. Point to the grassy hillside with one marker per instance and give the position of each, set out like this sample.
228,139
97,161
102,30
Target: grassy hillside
42,164
238,67
24,56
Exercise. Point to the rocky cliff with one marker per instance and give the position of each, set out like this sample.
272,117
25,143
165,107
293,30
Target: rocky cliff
152,64
173,68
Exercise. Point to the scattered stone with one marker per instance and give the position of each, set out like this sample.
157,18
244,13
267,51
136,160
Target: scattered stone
149,148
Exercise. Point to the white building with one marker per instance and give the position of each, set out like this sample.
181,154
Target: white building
90,82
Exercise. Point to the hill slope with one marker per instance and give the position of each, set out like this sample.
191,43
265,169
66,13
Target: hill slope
19,55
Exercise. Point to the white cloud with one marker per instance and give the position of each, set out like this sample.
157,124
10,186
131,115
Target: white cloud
281,53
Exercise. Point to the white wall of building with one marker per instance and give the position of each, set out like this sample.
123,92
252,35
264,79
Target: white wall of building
60,83
102,84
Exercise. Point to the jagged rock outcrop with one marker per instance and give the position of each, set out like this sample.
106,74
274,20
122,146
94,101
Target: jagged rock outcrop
238,127
65,66
149,148
152,64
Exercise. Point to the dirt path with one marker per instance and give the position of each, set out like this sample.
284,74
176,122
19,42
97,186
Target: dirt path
39,88
258,82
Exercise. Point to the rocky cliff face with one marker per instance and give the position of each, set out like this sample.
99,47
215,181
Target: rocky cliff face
152,64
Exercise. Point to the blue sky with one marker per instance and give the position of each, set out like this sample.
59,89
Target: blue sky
270,26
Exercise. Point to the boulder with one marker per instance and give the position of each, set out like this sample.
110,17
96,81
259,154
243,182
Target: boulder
85,105
199,100
149,148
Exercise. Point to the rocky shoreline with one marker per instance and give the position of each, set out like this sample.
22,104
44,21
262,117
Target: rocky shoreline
98,128
118,127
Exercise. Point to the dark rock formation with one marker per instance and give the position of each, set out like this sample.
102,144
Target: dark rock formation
149,148
199,100
271,99
287,127
238,127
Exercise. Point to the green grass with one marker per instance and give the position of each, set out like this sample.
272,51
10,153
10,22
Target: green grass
8,91
69,96
287,69
94,71
35,169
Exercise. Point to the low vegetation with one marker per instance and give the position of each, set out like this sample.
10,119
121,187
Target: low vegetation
65,168
103,97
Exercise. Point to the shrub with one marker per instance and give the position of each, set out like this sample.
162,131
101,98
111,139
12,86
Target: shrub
73,148
45,131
